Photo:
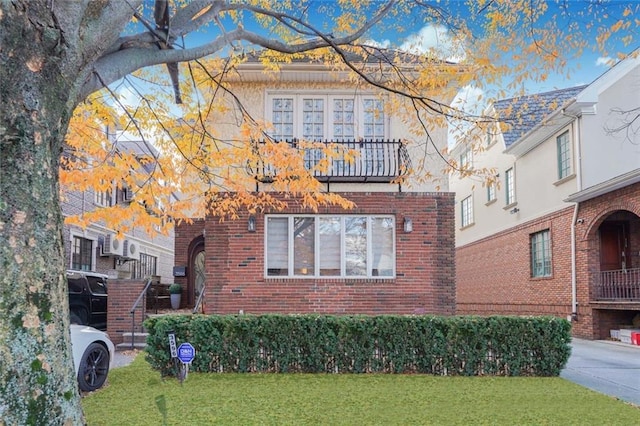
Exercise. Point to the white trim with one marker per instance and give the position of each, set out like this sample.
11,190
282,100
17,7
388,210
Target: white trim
316,267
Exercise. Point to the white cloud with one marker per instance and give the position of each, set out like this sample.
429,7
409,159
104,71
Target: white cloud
470,100
605,61
435,39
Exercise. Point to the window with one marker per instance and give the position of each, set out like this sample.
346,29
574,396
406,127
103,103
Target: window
564,155
330,246
466,159
540,254
491,192
145,267
320,117
103,198
509,184
82,254
466,210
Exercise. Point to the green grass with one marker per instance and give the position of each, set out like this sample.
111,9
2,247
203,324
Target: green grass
136,395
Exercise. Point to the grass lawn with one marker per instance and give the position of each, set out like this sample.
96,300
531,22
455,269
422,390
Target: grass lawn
136,395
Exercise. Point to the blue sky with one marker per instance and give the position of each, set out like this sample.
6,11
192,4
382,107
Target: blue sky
420,32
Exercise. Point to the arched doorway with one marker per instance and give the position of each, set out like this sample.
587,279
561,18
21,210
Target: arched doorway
197,275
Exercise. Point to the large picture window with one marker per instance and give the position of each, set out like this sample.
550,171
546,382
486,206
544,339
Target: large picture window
330,246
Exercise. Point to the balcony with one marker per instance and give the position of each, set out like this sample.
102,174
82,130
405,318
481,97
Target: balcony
355,161
618,285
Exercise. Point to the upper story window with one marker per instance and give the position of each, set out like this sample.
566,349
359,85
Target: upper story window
321,117
466,159
466,211
564,155
81,254
509,186
103,198
330,246
491,192
540,254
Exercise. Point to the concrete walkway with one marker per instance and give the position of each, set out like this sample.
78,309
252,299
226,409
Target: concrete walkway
608,367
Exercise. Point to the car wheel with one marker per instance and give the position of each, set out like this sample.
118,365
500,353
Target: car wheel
94,367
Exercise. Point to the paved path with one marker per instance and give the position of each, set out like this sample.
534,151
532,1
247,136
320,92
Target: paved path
607,367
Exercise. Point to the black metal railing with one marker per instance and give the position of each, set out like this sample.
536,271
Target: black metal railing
137,304
621,284
366,160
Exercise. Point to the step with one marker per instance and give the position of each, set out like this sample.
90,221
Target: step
126,346
137,337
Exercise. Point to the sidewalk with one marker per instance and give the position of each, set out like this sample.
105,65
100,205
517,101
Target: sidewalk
608,367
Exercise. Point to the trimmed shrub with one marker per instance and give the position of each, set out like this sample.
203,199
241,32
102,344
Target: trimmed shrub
456,346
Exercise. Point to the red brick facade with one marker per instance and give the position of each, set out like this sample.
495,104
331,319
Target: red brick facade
494,273
122,296
425,266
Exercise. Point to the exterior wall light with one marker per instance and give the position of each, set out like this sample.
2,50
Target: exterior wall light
408,225
251,225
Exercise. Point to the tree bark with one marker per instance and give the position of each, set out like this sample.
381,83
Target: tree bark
37,379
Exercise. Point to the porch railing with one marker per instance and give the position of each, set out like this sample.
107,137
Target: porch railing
375,160
621,284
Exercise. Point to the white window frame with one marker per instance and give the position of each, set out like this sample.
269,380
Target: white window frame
315,273
491,192
328,97
509,186
563,146
466,158
466,211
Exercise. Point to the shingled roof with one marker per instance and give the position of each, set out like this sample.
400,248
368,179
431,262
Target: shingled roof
522,113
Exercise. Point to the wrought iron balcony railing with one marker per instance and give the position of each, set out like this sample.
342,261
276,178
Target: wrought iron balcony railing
621,284
355,161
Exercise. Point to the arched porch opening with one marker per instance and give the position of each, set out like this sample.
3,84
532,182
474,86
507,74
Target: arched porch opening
615,272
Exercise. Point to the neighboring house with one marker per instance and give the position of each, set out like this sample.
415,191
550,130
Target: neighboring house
393,253
560,233
96,248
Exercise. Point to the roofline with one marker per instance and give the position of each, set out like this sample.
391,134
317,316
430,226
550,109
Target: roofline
605,187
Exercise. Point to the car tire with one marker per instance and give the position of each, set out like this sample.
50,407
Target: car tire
94,367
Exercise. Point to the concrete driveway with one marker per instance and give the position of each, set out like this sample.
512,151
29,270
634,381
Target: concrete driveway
611,368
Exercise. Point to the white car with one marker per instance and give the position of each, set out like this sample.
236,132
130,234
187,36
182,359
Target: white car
93,354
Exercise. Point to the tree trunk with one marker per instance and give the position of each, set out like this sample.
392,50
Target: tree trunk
37,379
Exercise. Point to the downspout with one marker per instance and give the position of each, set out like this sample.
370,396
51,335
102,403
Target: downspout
574,284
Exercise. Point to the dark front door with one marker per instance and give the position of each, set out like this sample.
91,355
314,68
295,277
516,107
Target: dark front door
613,247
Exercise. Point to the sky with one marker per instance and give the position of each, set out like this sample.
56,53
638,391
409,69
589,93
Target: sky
418,33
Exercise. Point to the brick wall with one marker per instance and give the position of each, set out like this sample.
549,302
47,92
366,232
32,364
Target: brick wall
425,265
122,296
493,274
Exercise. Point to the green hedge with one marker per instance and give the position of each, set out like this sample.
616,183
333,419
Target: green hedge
459,345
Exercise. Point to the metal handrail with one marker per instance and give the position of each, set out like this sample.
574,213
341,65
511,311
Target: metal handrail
620,284
380,160
134,307
198,301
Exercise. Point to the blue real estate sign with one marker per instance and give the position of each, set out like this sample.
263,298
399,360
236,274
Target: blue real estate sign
186,352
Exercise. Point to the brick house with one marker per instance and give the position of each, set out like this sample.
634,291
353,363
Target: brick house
560,234
393,253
